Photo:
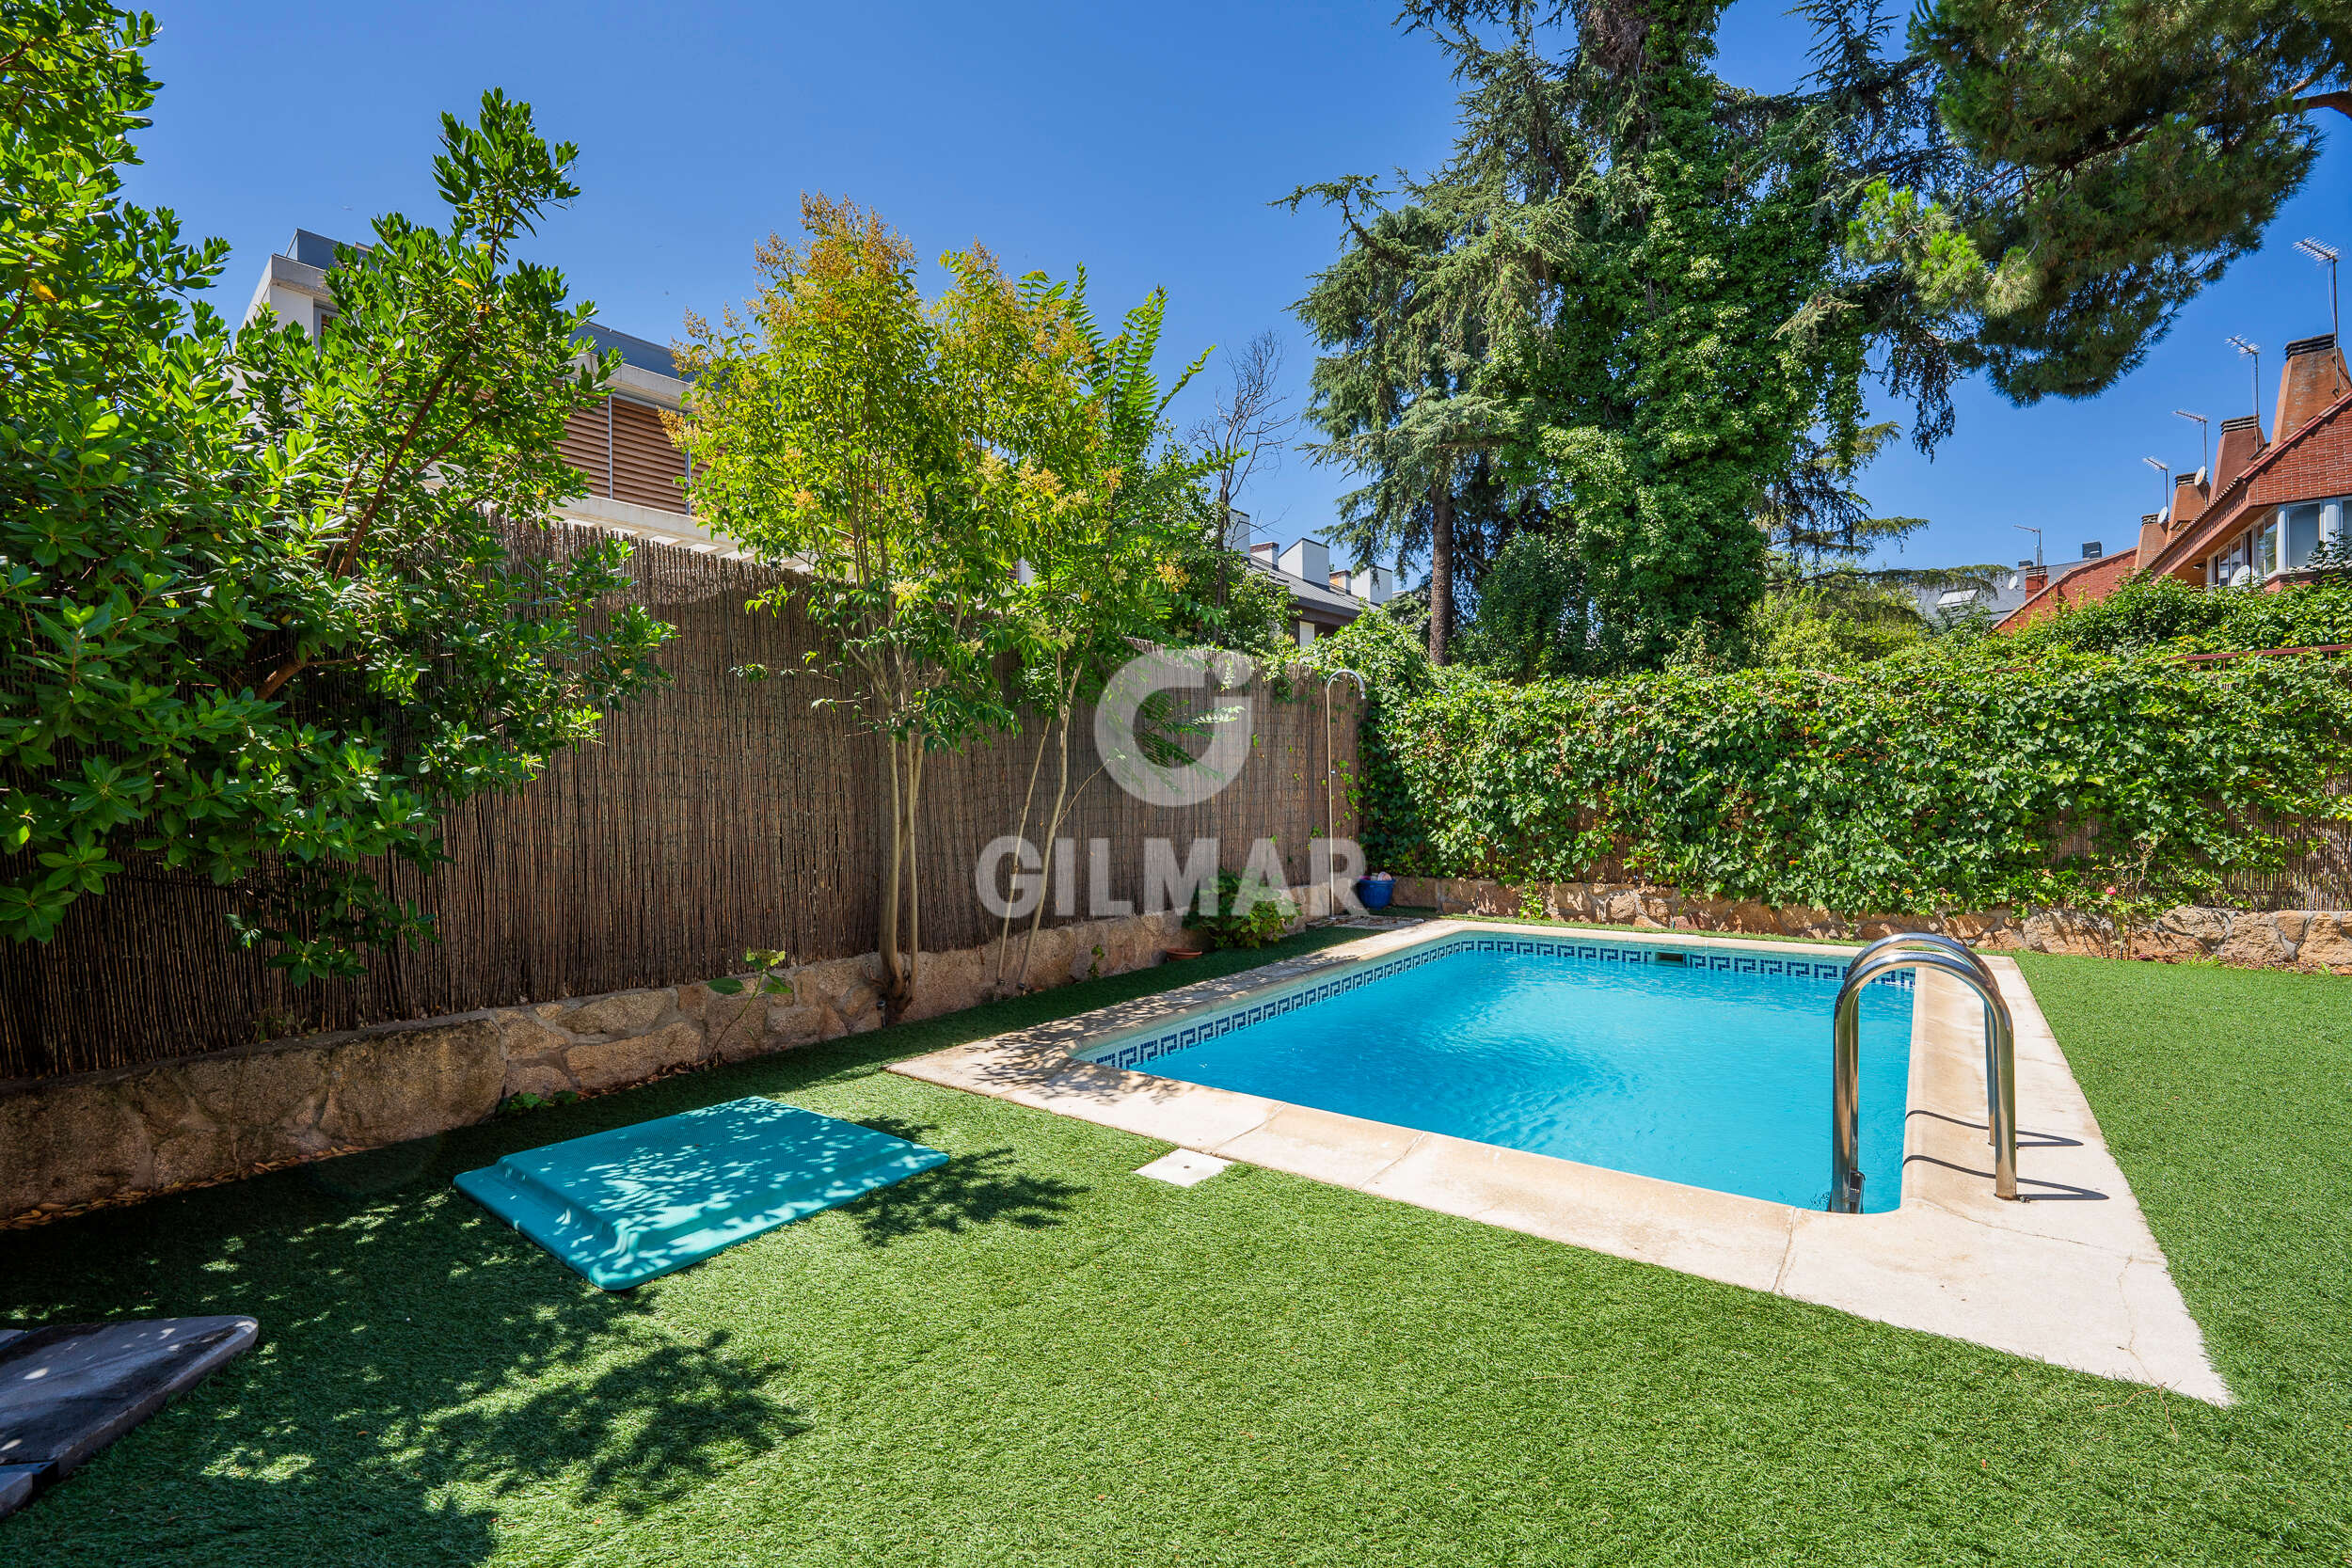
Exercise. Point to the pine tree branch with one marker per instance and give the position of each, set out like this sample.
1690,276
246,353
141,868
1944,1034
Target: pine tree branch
1396,259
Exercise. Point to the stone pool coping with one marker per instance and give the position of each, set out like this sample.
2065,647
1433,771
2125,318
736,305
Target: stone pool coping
2070,1276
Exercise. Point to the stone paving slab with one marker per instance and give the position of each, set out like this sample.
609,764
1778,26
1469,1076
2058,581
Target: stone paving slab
2071,1274
68,1389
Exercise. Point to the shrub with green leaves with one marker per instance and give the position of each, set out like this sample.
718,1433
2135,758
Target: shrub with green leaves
1262,921
2166,613
261,616
770,965
1950,778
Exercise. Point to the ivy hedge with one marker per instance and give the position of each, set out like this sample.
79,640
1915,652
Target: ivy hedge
1949,779
2166,613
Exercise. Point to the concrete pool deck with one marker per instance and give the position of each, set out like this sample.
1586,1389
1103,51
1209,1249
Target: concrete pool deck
2070,1274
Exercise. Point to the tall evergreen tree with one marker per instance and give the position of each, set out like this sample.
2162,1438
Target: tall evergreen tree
2120,154
1396,403
1819,526
1627,292
1643,301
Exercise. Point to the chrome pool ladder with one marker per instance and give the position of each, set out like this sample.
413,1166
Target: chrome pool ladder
1918,950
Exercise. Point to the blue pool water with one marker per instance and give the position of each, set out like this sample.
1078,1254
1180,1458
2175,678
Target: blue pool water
1704,1075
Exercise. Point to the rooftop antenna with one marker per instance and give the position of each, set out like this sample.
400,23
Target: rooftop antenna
2253,352
2037,542
2326,255
2205,428
2164,474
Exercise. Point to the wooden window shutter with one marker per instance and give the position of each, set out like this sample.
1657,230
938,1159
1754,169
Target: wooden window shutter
646,468
584,448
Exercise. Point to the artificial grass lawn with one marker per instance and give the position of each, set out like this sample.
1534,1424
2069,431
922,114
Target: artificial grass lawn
1030,1356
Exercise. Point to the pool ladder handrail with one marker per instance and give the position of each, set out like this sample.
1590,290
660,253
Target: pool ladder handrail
1961,950
1918,950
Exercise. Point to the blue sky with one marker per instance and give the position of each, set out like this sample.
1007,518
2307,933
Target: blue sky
1143,142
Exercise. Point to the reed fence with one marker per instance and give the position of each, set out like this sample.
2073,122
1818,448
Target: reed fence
713,816
2317,873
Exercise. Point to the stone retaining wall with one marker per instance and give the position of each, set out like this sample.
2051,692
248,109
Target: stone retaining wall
105,1138
2317,941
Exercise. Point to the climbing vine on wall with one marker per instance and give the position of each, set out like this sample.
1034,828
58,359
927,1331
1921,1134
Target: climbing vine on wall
1956,779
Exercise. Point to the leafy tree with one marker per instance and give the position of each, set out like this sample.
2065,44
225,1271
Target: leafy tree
1104,561
1628,293
1841,621
413,448
271,605
1399,402
1221,601
901,459
1533,617
1823,608
1812,516
2120,155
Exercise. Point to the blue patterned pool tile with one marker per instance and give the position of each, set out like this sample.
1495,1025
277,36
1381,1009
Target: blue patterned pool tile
1312,992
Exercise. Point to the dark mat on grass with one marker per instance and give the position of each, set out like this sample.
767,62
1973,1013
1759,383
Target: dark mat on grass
68,1389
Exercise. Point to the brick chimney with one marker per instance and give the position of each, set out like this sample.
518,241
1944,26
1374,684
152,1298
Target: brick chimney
1263,552
2241,443
2152,528
2313,378
2190,496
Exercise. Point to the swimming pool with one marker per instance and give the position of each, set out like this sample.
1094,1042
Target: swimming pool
1705,1067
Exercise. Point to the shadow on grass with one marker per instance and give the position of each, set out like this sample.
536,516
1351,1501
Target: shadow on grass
983,1188
419,1362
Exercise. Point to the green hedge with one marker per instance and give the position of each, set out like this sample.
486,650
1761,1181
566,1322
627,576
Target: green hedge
1947,780
2167,612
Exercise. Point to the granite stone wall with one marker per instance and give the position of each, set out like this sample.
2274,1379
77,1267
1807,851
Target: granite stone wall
2316,940
104,1138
